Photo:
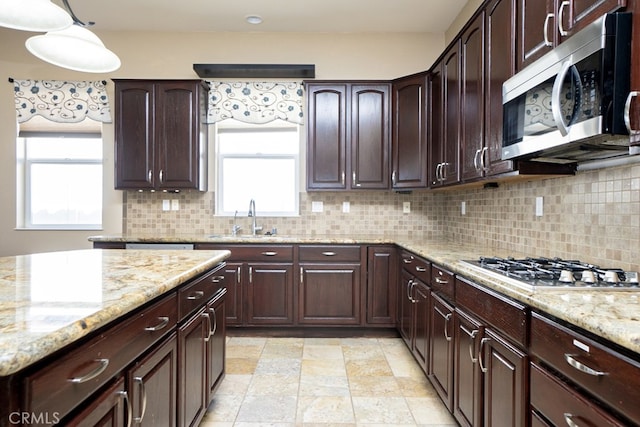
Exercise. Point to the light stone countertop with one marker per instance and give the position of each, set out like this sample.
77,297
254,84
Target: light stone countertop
610,314
50,300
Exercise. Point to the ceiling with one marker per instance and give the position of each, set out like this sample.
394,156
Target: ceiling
353,16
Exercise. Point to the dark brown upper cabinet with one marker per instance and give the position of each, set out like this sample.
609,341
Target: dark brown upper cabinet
444,144
160,137
348,135
633,121
409,141
543,24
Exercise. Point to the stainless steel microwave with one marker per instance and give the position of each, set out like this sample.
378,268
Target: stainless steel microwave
569,105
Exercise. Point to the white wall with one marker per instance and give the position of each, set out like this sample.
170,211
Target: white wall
172,55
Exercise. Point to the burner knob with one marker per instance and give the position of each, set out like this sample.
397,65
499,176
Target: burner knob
611,277
566,276
588,276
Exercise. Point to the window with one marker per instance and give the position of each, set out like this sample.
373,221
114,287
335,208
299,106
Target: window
60,181
259,162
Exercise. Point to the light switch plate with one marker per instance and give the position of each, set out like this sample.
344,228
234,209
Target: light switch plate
317,207
166,205
406,207
346,207
463,208
175,205
539,206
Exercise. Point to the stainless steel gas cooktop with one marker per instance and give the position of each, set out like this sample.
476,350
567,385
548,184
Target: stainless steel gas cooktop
555,273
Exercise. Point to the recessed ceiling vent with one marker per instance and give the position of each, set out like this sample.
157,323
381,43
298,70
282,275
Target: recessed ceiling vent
259,71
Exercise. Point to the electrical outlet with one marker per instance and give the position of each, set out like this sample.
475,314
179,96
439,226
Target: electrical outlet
346,207
175,205
317,207
166,205
539,206
463,208
406,207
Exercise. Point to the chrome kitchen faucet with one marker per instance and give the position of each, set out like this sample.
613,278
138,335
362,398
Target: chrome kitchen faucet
252,214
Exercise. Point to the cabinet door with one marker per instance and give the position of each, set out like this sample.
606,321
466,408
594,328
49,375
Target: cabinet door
472,79
134,135
216,346
441,349
421,298
108,409
537,29
577,14
409,142
405,308
192,372
467,400
436,135
152,385
326,137
329,294
233,299
269,294
634,102
382,277
370,136
500,56
452,110
177,134
505,368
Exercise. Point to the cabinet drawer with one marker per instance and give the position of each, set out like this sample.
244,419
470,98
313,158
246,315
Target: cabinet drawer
503,314
70,379
562,405
442,281
264,253
417,266
197,293
322,253
608,375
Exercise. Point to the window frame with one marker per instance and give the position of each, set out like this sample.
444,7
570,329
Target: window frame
239,127
25,163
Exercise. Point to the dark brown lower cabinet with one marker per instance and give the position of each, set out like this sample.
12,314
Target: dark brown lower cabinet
382,275
329,294
421,298
153,384
269,294
233,299
193,336
216,348
108,409
506,371
467,395
441,349
405,308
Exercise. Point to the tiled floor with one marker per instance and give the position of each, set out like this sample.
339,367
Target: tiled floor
323,382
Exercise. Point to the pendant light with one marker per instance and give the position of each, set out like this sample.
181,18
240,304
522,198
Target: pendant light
33,15
74,47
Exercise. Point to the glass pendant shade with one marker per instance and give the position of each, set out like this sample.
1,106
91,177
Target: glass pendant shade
75,48
33,15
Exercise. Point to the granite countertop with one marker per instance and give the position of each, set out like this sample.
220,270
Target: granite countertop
50,300
610,314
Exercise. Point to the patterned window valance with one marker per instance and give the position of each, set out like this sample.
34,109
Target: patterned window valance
257,103
61,101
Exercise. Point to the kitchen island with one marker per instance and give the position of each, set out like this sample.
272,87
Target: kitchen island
56,306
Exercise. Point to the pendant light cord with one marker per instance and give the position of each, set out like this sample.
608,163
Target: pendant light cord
75,18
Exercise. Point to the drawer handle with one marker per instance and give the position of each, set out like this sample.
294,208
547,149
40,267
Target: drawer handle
420,269
206,315
407,260
582,367
164,321
143,392
125,396
91,375
568,418
196,295
439,281
472,341
215,321
217,279
329,253
483,341
270,253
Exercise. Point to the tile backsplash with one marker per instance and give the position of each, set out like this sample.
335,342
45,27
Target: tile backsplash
593,216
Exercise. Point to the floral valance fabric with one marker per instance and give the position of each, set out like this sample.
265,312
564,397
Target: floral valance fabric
256,103
61,101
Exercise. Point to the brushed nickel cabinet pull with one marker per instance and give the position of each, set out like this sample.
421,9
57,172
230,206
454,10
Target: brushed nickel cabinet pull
472,335
217,279
439,281
161,176
164,321
125,396
250,275
238,276
103,363
569,358
568,418
196,295
270,253
563,32
150,175
420,269
627,112
480,352
408,260
143,392
301,275
545,29
208,337
215,321
328,253
393,178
